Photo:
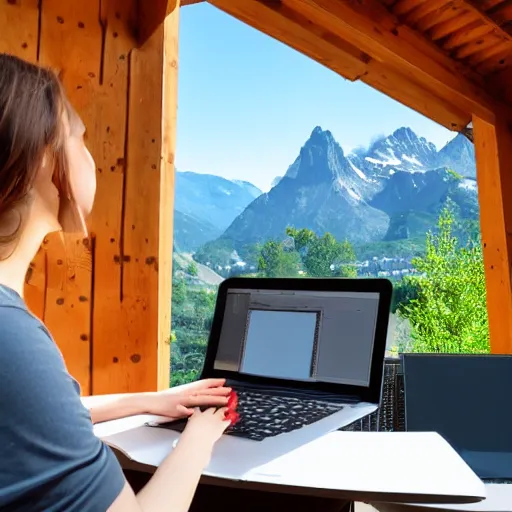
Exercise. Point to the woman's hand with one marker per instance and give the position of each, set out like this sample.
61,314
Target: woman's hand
180,402
204,429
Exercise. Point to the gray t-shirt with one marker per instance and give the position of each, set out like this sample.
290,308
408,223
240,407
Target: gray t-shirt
50,459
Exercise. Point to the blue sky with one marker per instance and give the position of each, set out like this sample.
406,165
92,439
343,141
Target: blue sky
247,103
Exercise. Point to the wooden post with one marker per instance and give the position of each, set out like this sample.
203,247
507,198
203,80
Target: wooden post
131,316
106,299
493,146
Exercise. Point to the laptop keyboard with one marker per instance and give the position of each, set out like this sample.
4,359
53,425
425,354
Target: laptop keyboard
265,415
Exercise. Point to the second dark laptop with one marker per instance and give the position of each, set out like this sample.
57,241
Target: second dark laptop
297,350
466,399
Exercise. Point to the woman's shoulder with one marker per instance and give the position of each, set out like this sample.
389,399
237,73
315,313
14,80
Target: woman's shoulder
26,346
18,326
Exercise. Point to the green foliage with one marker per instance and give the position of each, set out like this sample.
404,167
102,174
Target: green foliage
404,292
316,256
192,269
449,312
276,261
192,314
320,255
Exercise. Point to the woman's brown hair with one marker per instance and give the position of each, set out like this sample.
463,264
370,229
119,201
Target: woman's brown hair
32,103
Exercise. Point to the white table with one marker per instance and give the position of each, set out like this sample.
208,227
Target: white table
381,467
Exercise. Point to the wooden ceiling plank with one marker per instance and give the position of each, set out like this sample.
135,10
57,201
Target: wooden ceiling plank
403,7
491,21
466,35
490,53
482,43
497,63
446,13
183,3
370,26
449,27
501,14
489,4
432,6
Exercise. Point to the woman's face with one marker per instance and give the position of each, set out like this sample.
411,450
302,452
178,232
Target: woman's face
81,166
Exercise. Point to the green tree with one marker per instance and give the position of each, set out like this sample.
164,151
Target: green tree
449,313
276,261
179,292
192,269
404,291
324,256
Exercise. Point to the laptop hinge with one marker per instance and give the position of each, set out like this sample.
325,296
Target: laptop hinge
293,392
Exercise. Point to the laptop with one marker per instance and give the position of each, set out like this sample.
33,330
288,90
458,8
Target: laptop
466,399
298,352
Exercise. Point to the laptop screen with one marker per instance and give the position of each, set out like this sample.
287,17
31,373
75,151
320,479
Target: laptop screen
298,335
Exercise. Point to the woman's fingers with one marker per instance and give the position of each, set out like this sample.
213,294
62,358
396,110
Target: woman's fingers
205,384
221,411
204,401
215,391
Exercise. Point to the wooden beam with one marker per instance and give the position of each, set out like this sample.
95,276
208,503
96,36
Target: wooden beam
326,47
493,146
368,25
151,14
133,353
190,2
109,138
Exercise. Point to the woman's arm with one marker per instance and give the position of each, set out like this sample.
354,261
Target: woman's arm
112,407
173,485
177,402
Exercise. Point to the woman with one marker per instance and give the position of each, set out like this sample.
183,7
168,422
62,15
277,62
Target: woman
50,459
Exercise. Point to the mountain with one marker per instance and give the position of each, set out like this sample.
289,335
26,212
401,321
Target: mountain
211,198
413,200
393,190
320,191
403,150
251,189
205,205
191,233
459,155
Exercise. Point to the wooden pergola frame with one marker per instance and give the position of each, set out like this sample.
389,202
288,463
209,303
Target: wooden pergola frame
107,298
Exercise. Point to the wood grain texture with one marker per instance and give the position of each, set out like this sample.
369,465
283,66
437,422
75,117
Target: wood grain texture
108,319
132,352
464,26
19,30
493,146
70,43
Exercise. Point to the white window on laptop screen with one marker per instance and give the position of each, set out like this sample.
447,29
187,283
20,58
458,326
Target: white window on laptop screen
280,344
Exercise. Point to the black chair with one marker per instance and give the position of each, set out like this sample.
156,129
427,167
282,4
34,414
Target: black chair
389,416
